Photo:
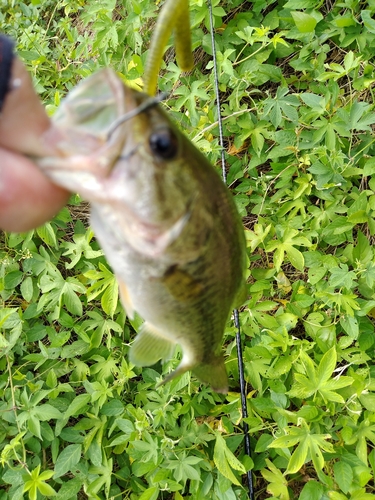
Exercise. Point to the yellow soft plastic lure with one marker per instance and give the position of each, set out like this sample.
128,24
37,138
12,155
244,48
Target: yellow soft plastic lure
174,15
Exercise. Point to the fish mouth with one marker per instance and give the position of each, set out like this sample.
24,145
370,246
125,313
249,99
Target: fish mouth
137,110
88,130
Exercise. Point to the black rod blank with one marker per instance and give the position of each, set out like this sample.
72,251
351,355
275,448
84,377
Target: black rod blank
235,312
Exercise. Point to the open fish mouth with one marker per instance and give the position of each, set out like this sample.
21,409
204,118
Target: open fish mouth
144,106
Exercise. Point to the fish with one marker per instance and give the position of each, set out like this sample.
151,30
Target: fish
165,220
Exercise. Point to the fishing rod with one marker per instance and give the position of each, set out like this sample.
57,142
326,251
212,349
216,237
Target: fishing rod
245,427
176,16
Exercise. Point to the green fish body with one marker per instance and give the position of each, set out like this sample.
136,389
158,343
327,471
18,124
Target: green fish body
164,218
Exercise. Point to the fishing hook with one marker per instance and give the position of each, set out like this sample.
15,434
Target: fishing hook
147,104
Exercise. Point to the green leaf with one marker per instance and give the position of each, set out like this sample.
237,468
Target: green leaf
12,279
46,490
343,475
47,412
47,234
327,365
277,483
112,408
150,494
298,457
315,274
33,425
110,298
350,325
312,491
368,22
305,22
67,460
27,288
77,405
295,257
69,489
368,401
225,461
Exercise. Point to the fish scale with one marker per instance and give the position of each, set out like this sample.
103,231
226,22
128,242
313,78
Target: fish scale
166,222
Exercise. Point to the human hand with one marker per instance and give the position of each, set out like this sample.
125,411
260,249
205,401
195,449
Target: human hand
27,197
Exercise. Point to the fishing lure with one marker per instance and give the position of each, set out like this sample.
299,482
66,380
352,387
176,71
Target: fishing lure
174,16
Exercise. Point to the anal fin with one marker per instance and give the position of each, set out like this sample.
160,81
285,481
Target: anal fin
149,346
212,373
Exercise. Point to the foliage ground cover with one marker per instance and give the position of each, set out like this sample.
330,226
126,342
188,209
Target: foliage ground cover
77,420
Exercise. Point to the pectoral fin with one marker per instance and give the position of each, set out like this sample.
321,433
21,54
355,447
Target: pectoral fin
125,299
150,346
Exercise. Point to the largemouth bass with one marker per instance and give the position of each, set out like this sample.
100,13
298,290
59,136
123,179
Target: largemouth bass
164,218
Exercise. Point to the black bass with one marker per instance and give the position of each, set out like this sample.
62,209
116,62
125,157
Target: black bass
166,221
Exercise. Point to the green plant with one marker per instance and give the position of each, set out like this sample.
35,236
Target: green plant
296,81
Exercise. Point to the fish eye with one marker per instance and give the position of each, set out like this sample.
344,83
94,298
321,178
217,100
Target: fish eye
164,144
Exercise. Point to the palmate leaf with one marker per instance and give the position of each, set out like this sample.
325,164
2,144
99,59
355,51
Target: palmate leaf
94,328
80,246
256,237
288,239
279,104
147,450
309,447
347,303
104,367
342,277
318,380
277,483
104,281
183,467
58,292
302,388
37,483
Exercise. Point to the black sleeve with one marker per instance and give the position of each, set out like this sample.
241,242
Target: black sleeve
6,57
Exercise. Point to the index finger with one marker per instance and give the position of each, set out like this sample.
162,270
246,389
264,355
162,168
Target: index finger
27,197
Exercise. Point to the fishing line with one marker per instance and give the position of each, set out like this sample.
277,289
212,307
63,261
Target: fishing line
235,312
147,104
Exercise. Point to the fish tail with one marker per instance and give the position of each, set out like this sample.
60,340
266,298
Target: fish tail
213,373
